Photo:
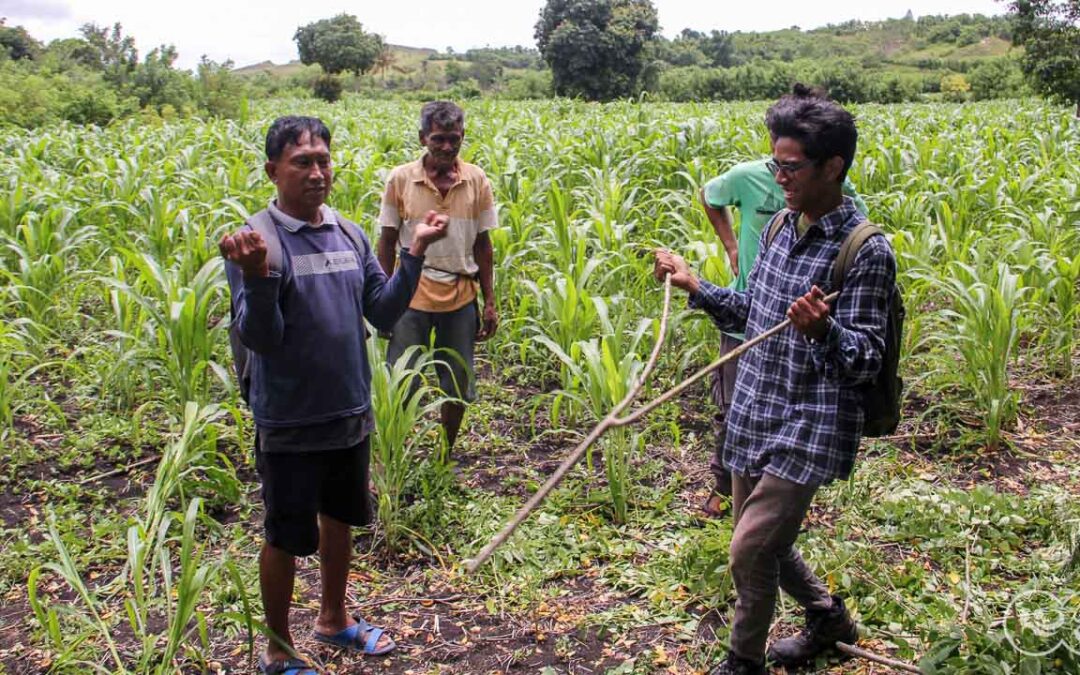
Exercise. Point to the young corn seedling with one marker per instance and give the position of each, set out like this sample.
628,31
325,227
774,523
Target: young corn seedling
180,335
989,311
402,420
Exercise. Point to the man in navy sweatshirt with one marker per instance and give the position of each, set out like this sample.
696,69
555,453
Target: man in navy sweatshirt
310,380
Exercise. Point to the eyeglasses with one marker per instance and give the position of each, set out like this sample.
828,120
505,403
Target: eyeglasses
789,168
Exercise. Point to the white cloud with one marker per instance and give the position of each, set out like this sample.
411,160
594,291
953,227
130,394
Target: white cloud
34,9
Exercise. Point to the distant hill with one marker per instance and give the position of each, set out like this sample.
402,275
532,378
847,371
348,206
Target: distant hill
407,58
857,61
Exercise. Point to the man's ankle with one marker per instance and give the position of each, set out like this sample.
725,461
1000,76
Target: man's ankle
333,622
276,652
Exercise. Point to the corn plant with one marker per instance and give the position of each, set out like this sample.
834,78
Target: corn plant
988,307
180,333
159,607
1064,292
40,259
402,419
604,369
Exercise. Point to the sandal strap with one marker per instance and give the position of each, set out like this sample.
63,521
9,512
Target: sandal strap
374,633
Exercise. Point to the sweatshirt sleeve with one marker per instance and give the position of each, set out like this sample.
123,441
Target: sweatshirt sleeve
255,308
387,298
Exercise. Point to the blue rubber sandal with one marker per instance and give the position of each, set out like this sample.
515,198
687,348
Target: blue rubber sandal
286,667
352,638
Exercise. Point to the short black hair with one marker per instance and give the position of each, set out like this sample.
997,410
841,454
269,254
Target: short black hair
444,114
824,129
290,129
800,90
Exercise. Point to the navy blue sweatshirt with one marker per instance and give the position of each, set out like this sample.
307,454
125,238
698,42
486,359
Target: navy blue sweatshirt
305,325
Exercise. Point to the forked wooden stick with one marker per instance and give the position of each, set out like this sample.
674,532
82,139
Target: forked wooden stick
858,652
613,420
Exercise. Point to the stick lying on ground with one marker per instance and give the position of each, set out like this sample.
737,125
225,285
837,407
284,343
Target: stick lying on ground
613,420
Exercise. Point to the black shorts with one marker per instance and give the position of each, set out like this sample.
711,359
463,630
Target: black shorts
298,486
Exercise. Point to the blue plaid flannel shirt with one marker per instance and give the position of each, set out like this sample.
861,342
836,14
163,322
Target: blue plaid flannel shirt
796,412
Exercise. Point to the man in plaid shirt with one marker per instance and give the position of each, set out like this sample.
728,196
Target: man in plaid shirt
796,418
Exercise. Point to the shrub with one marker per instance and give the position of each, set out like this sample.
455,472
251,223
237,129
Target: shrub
328,88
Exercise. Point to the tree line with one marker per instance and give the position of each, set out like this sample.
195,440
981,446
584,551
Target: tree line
592,49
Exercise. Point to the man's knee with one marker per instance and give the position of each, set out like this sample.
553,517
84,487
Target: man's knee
743,557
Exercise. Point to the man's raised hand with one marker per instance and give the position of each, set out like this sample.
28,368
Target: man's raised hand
247,250
430,231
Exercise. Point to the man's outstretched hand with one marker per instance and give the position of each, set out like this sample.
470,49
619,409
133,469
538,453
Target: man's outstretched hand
673,264
247,250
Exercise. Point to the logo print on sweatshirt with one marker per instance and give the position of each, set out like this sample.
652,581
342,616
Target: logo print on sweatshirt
324,263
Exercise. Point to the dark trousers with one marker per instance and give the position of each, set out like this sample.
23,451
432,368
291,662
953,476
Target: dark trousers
722,392
768,512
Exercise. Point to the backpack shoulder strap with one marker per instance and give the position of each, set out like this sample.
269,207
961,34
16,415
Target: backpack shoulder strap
775,225
845,259
263,223
354,233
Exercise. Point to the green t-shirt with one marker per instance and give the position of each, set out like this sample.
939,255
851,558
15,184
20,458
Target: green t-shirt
751,188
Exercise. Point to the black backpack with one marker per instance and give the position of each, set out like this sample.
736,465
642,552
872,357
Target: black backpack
263,223
881,398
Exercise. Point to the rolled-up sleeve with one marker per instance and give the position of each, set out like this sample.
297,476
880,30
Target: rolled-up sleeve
851,351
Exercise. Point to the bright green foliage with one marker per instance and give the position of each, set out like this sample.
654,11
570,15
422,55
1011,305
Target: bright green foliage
996,78
402,402
955,87
160,607
98,78
990,314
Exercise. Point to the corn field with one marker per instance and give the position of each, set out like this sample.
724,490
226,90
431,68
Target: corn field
130,524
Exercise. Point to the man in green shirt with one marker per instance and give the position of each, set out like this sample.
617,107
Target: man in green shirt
751,188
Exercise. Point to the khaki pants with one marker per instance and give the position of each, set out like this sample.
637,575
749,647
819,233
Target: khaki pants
768,513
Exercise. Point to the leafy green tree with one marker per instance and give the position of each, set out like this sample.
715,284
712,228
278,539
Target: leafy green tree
1049,31
157,84
596,48
996,78
16,43
111,52
338,45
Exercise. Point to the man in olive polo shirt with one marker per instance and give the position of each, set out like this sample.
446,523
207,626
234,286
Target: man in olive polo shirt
446,299
751,188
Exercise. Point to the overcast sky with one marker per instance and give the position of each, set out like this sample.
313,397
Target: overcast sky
248,32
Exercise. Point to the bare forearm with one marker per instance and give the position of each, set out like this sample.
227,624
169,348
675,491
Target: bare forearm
721,221
485,260
388,249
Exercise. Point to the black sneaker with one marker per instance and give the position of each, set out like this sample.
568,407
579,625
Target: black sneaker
733,665
824,628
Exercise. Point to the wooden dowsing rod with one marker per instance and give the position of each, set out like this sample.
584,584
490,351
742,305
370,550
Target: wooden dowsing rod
613,420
